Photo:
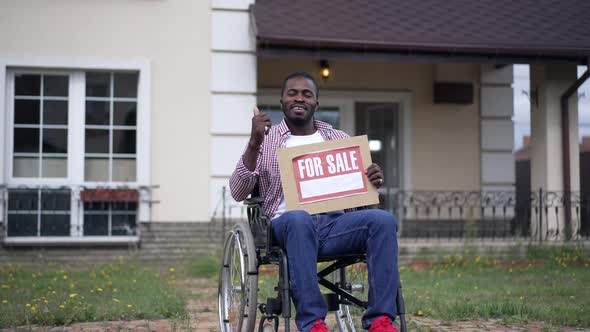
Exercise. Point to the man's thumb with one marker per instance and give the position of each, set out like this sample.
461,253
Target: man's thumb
256,111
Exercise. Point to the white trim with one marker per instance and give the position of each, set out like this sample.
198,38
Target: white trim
61,240
346,99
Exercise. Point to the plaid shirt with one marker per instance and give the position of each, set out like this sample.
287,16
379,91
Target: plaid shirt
267,172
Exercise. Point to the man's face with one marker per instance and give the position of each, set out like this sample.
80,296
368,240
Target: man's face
299,100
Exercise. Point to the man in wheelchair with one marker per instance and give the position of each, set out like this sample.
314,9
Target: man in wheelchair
306,237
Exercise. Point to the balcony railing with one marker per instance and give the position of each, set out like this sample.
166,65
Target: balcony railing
537,216
67,213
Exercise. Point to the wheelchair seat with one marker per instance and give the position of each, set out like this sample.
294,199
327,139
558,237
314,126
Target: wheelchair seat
249,245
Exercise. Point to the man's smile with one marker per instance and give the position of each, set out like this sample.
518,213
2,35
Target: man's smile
299,109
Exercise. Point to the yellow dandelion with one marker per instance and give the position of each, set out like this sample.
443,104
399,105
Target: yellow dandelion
4,301
52,292
129,306
116,300
134,280
61,306
114,290
5,286
99,289
27,305
65,277
171,269
420,313
73,295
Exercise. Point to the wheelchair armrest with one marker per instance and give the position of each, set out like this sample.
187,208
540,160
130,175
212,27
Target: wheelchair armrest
254,201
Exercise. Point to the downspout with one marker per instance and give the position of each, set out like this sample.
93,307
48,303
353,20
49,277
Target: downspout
565,147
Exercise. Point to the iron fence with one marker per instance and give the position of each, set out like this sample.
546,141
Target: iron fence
537,216
33,211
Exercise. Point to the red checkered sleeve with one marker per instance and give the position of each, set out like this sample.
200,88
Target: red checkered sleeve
242,181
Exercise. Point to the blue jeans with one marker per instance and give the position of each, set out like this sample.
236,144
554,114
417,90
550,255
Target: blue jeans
304,237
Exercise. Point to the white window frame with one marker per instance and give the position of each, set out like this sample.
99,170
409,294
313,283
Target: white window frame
75,67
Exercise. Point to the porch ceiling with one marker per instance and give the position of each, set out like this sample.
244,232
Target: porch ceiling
503,31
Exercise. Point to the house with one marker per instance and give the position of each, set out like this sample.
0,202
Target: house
128,113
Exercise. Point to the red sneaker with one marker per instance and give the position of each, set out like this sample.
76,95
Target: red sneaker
319,326
382,324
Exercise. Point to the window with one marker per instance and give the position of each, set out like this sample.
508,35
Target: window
110,218
40,134
111,127
38,212
71,131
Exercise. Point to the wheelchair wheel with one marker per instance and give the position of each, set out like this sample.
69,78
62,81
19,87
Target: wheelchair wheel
354,279
238,282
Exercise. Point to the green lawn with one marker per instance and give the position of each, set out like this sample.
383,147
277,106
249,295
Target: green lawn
56,296
549,285
552,286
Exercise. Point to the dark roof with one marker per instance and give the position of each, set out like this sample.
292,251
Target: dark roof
545,29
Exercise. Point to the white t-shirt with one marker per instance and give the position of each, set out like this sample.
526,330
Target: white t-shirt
293,140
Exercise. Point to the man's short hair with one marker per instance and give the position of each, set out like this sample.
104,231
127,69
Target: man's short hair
304,75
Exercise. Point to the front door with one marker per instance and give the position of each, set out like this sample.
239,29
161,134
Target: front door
380,122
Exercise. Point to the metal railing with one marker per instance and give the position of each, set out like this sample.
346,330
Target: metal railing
65,211
536,216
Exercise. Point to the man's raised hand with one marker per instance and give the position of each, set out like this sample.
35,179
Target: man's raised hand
260,124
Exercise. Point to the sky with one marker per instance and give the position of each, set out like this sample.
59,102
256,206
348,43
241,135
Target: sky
522,107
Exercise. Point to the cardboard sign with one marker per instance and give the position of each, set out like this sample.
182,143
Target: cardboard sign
327,176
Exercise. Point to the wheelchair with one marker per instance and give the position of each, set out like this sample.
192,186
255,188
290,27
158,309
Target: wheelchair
249,245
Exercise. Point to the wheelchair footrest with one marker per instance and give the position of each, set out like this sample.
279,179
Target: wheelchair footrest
332,301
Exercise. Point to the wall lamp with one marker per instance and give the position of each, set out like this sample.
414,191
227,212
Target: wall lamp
325,69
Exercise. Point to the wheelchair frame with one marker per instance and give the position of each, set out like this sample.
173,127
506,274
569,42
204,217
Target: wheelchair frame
252,244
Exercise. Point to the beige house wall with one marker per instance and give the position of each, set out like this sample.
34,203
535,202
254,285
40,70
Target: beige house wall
445,139
174,37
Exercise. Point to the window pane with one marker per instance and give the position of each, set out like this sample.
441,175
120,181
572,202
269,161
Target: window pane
55,200
55,86
329,116
23,200
26,112
124,170
27,85
26,140
125,113
55,224
54,167
96,206
98,84
124,206
126,85
96,169
55,140
55,112
123,224
124,141
97,141
25,167
22,225
96,224
97,113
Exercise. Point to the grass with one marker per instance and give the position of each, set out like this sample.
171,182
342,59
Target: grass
58,296
550,285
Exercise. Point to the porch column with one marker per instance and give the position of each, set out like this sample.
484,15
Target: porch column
548,83
497,130
233,91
